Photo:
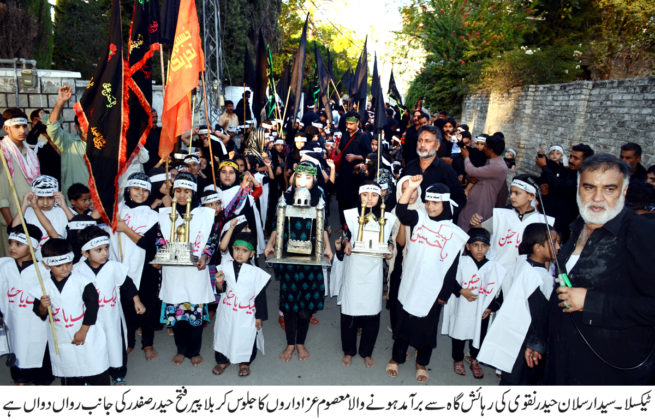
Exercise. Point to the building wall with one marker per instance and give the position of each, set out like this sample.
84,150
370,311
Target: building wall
604,114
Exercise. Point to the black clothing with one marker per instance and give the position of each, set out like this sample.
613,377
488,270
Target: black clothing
640,174
439,171
458,345
409,147
38,376
152,146
560,201
615,267
348,184
100,379
188,339
370,325
239,111
296,325
222,359
308,118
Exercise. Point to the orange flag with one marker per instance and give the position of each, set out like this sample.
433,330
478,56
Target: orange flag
187,61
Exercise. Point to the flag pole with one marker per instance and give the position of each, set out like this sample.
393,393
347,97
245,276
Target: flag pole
245,105
286,103
209,130
161,64
29,245
193,111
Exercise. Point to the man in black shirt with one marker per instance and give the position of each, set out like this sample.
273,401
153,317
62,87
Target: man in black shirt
434,169
600,330
411,136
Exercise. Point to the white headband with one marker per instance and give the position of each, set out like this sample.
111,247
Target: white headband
192,158
212,198
183,183
140,183
278,141
279,121
384,186
511,151
481,139
44,192
203,131
300,138
16,121
158,178
317,125
266,126
80,224
370,188
59,259
337,133
444,197
558,148
96,242
524,186
274,133
20,237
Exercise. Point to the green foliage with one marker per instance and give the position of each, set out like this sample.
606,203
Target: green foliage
43,43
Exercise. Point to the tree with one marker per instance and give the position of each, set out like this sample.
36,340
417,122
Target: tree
20,31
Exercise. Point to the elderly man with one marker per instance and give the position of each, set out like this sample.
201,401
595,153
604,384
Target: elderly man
434,169
72,146
600,331
419,119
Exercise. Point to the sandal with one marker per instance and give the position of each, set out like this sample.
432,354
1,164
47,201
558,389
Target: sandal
280,320
392,369
477,369
313,320
422,373
219,369
244,370
459,368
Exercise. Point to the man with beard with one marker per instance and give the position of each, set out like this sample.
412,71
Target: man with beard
560,193
419,119
354,147
433,169
600,330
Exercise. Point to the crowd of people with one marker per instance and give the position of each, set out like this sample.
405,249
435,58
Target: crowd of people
544,276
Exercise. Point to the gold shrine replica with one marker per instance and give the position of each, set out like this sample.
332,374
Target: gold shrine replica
300,251
370,235
178,250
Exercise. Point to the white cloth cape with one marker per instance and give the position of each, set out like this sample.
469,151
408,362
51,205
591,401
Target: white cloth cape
187,284
462,320
432,249
234,328
26,332
506,334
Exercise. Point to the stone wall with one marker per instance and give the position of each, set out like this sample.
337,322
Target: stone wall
604,114
44,93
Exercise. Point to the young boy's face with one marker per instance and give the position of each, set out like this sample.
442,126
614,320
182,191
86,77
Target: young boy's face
480,145
304,180
519,197
414,196
478,250
242,254
45,203
182,194
97,256
216,206
227,175
60,272
370,198
139,195
434,208
18,250
82,204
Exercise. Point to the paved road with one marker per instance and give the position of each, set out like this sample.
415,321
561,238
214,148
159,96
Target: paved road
322,368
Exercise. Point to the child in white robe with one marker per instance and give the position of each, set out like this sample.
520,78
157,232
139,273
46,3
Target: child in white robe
45,208
73,299
361,291
428,274
513,331
241,308
467,321
27,333
507,225
112,283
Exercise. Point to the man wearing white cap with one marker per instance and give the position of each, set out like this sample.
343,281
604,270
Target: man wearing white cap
23,169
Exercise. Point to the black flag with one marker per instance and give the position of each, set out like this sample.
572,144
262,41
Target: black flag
347,82
329,64
323,81
101,117
261,79
299,69
249,76
393,91
169,12
360,83
144,41
378,100
283,84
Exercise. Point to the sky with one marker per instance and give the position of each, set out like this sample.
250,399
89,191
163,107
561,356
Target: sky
376,18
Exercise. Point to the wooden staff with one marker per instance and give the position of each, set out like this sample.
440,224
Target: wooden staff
209,129
161,63
193,111
29,244
284,115
245,106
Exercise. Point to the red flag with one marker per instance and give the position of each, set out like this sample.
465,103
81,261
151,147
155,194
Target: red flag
100,112
187,61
